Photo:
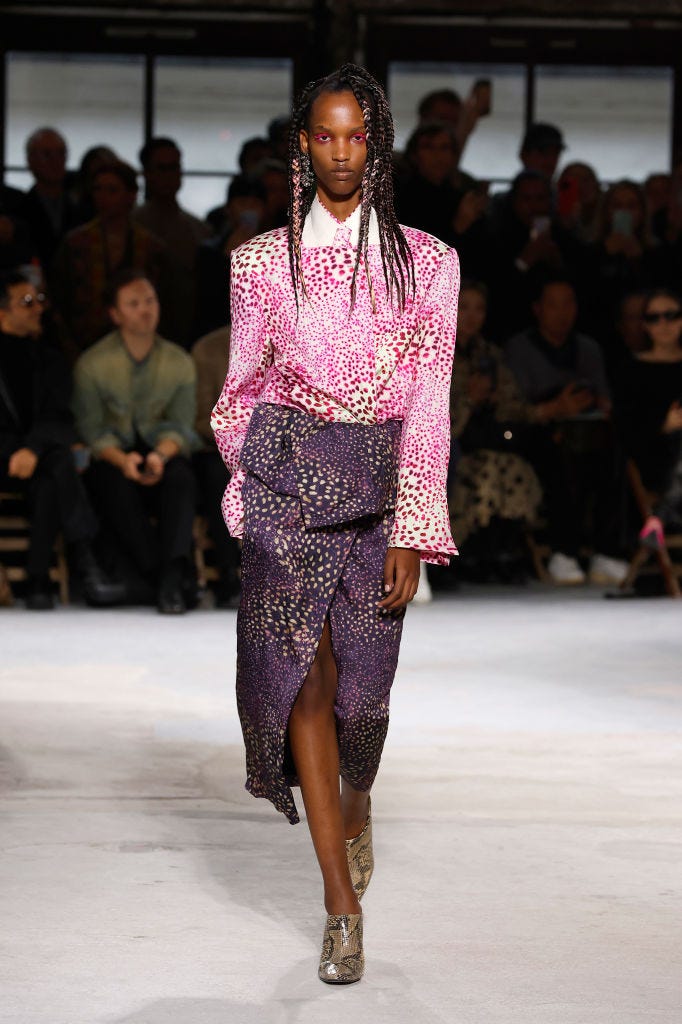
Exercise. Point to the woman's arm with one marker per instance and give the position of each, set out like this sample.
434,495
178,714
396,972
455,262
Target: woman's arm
250,356
422,522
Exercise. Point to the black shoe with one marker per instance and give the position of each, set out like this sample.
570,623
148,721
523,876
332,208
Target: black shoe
171,601
39,596
98,591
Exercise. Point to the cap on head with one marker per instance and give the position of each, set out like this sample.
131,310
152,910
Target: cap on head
542,137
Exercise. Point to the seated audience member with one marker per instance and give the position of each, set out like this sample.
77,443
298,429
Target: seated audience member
272,175
135,405
244,218
278,137
81,186
650,411
90,256
426,199
657,193
623,253
579,202
496,493
627,335
16,248
541,148
36,434
48,209
181,233
561,373
526,241
210,355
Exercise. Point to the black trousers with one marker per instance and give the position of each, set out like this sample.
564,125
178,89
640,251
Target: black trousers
128,509
213,478
57,500
583,479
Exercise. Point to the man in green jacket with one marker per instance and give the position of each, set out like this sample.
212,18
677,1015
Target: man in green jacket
135,406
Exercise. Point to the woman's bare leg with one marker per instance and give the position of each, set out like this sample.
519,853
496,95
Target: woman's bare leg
354,808
315,749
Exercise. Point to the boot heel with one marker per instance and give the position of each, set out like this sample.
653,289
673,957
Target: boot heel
343,960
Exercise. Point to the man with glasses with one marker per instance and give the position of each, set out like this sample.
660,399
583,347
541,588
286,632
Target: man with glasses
36,435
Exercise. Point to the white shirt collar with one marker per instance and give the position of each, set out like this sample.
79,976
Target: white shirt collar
322,228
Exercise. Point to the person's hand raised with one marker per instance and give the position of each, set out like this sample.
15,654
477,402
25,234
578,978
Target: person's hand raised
673,419
573,400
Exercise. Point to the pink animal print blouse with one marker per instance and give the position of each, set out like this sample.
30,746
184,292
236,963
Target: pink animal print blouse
366,367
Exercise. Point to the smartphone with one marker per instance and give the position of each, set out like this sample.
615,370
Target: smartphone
482,90
621,222
540,226
568,198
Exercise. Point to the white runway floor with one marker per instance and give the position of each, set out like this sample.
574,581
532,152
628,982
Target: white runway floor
527,825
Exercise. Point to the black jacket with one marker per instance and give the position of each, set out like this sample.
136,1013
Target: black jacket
52,421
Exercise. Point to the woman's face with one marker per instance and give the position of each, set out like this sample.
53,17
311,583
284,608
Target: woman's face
585,181
336,141
625,198
663,322
471,314
435,158
110,196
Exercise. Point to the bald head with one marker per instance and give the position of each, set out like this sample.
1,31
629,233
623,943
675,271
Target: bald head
46,154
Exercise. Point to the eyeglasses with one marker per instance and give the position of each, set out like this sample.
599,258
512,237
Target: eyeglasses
31,300
669,315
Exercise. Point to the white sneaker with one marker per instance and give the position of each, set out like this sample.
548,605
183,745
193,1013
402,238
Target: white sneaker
423,595
605,570
564,570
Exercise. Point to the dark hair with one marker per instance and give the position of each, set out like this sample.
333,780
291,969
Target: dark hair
377,183
438,96
256,144
427,130
151,145
245,185
468,284
540,279
523,176
124,172
10,279
121,279
660,293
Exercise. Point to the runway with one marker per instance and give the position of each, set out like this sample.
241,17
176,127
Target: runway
527,824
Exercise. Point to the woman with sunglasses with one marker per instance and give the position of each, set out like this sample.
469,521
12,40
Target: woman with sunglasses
651,410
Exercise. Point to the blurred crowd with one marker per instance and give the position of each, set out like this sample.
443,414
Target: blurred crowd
114,339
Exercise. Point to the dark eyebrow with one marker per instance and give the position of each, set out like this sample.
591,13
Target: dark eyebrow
324,128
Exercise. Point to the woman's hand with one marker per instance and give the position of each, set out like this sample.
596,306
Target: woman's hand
401,578
673,420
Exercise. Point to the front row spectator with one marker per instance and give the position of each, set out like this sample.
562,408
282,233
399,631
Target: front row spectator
496,494
561,373
650,393
135,404
36,434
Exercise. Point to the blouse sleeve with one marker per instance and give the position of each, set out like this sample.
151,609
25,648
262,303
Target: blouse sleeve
250,357
421,519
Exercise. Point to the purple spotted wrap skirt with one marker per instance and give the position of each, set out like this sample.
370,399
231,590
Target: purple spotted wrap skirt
319,501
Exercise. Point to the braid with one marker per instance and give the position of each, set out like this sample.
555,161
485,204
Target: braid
377,185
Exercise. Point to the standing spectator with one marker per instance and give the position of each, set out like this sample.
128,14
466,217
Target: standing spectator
561,374
81,186
36,434
210,355
181,233
426,199
579,202
272,175
16,248
47,209
541,148
90,256
135,404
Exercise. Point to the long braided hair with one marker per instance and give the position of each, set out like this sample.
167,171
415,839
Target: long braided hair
376,191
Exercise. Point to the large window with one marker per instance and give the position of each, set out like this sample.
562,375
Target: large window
491,151
619,120
88,98
209,106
